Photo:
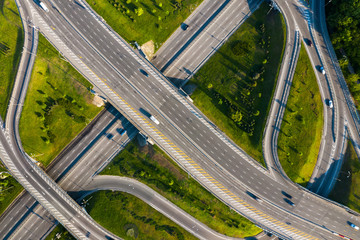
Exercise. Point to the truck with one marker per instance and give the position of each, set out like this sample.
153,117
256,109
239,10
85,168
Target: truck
154,119
43,6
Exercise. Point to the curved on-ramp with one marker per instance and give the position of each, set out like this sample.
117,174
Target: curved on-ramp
156,201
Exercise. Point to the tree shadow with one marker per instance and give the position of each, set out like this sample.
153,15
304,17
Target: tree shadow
4,48
38,114
148,9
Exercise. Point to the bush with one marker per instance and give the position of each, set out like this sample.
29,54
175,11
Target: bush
237,117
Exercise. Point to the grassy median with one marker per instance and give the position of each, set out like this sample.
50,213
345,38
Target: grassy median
57,107
301,129
144,20
235,87
11,43
346,190
130,218
9,189
154,168
127,217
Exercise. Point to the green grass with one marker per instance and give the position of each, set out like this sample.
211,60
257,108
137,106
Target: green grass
130,218
301,130
11,42
9,189
62,233
241,78
148,26
346,190
154,168
57,105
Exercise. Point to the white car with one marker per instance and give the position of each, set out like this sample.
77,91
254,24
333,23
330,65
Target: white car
322,70
154,120
354,226
331,105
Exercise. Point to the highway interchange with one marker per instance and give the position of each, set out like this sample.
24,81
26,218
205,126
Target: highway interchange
159,98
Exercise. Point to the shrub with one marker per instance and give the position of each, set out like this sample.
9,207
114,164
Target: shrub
237,117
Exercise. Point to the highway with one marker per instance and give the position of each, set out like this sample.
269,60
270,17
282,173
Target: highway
297,19
24,169
347,113
274,120
26,229
332,147
244,197
334,137
73,168
12,222
207,161
46,191
155,200
210,25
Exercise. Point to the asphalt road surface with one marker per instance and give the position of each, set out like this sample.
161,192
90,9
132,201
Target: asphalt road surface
251,165
156,201
178,122
209,26
74,167
29,230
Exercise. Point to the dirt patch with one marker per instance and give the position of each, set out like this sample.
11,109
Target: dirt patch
97,101
148,48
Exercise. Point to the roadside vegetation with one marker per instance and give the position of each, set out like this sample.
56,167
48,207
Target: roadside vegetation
346,190
301,129
57,107
9,189
11,43
343,19
154,168
60,233
144,20
235,87
130,218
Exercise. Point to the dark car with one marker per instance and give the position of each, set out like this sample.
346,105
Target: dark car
121,131
254,196
144,72
286,194
308,42
289,202
184,26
